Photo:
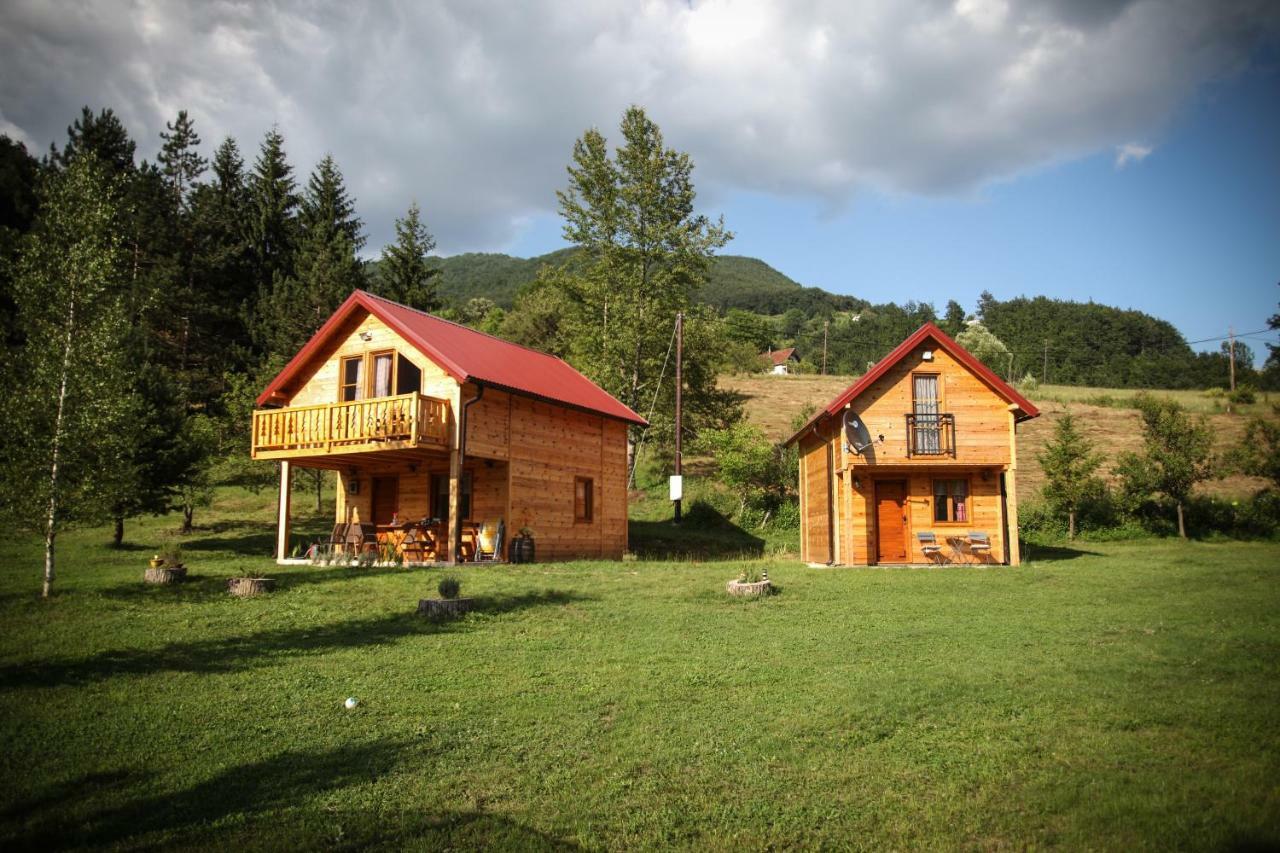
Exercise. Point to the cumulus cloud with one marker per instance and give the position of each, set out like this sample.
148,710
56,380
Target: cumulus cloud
471,107
1131,152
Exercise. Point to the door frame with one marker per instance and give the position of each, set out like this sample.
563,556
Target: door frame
373,494
906,514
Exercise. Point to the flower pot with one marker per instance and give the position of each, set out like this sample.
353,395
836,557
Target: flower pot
165,574
245,587
156,562
443,608
748,590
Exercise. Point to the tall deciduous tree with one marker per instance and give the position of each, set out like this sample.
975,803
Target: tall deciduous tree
645,253
61,447
1177,454
1070,468
404,274
987,348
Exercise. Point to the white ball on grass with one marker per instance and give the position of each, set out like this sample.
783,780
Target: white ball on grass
351,702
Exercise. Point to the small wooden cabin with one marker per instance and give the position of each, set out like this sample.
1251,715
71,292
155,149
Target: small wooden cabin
924,443
430,422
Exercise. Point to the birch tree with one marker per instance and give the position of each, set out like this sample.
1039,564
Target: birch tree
68,385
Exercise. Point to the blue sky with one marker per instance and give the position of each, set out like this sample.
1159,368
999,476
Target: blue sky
1190,233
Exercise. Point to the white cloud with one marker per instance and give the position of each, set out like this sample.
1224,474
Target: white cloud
472,107
1131,152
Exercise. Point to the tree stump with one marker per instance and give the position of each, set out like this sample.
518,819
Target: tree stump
165,574
748,590
443,608
245,587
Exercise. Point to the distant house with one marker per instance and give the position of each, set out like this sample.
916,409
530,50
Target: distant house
437,432
780,360
916,462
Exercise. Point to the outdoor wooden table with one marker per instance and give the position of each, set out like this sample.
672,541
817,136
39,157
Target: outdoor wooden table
959,546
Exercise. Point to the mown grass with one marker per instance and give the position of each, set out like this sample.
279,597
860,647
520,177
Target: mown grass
1113,696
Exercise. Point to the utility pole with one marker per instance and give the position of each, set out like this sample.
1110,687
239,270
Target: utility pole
1231,348
677,485
825,324
1044,376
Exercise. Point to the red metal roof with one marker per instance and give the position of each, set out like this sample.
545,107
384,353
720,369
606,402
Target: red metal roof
468,356
945,342
779,356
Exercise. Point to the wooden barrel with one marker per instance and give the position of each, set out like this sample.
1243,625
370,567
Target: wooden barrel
522,549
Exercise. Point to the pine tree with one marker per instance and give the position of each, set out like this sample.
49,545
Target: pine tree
273,204
953,320
1070,468
104,135
326,268
180,158
404,275
61,448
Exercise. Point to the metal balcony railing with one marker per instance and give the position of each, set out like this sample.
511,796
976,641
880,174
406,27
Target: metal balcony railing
931,435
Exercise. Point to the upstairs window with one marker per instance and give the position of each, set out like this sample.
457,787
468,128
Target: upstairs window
951,501
925,406
349,379
583,499
383,374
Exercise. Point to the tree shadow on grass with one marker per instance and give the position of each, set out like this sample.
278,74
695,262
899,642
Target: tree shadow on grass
1035,553
253,544
266,804
706,535
261,648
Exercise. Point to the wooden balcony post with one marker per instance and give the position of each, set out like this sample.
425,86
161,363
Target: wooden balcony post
282,519
415,415
455,502
1013,546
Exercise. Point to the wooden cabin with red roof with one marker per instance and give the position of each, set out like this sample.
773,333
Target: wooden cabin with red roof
437,431
915,463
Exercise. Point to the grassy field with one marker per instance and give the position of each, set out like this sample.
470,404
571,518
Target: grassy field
1119,696
1105,415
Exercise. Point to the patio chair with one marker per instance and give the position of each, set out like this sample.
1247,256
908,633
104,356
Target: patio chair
414,545
338,537
980,546
361,537
489,541
931,549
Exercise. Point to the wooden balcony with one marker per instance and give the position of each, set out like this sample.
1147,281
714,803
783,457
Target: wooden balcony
931,436
404,422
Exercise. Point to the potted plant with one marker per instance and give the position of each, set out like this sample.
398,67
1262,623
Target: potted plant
750,583
449,603
522,546
250,583
167,566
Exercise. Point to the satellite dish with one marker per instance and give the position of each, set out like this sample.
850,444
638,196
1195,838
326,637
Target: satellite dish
855,432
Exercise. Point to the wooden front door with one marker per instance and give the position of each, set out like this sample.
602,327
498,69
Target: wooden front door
385,499
891,521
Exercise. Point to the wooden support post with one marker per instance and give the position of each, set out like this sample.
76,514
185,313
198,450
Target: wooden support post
1013,546
455,502
282,519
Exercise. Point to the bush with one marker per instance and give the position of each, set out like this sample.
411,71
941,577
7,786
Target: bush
1244,395
449,587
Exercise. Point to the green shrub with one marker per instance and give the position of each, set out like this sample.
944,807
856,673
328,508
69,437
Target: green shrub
449,587
1244,395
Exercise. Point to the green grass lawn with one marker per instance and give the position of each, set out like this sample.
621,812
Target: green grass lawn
1116,696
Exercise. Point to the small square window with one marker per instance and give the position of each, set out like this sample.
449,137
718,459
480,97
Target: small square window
583,499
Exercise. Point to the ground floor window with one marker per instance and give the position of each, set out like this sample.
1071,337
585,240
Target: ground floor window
583,499
951,500
440,496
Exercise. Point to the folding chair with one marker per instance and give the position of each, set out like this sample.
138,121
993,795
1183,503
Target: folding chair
414,545
980,546
931,549
362,537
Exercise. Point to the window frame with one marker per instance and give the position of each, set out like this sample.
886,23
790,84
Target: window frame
968,500
357,386
584,511
371,371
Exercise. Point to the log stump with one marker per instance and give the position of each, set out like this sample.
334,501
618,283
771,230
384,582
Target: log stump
165,574
748,590
245,587
443,608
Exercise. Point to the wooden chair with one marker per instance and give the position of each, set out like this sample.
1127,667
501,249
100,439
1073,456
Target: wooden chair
414,545
338,537
489,541
980,546
931,549
468,541
361,537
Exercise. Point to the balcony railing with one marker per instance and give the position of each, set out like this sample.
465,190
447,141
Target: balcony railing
407,420
931,435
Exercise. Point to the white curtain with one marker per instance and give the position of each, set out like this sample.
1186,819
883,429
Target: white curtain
382,376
